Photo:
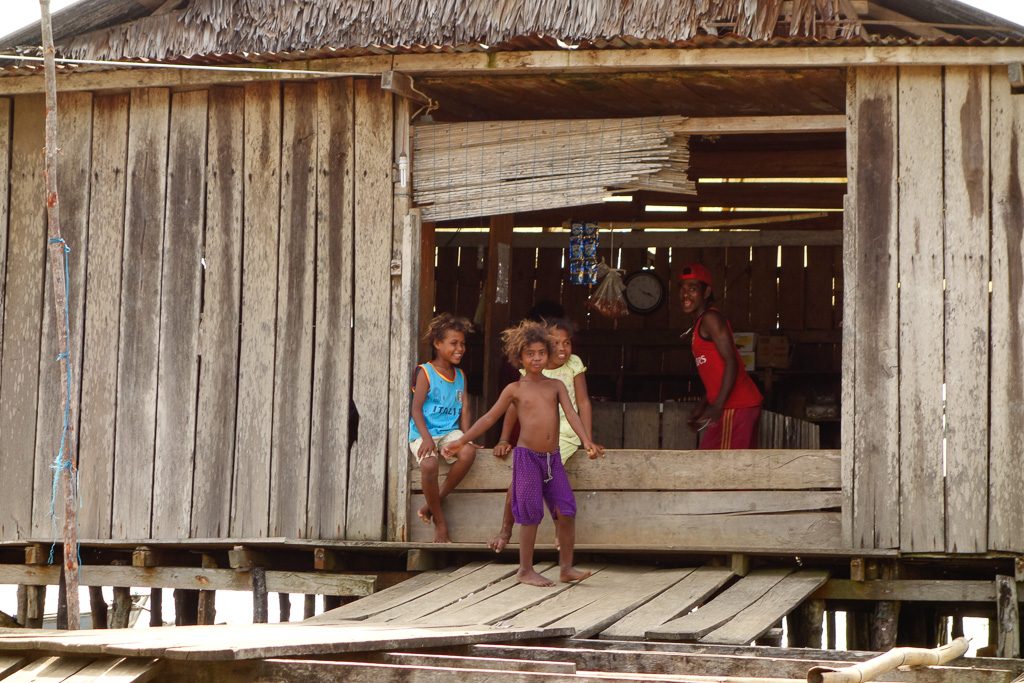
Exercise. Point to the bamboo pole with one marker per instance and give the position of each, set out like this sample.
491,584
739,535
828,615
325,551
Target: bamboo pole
891,660
65,465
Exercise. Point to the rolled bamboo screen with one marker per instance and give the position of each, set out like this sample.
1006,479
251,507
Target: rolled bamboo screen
465,170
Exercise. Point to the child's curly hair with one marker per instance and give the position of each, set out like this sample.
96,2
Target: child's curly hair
440,325
515,339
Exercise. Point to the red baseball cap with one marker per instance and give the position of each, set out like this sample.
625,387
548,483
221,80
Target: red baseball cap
696,271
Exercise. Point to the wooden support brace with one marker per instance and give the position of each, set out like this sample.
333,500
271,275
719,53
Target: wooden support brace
144,556
830,629
402,85
1007,618
259,595
186,607
1018,569
36,554
122,608
740,564
857,569
244,559
423,560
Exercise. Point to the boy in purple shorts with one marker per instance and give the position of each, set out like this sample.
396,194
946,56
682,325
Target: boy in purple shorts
537,471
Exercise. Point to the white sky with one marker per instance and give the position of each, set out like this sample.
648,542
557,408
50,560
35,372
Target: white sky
18,13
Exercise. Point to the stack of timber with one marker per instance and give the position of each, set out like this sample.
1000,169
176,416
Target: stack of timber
667,500
464,170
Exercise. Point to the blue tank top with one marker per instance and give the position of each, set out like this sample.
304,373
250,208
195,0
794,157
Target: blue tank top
442,407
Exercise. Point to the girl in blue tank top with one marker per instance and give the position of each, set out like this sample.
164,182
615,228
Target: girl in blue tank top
439,415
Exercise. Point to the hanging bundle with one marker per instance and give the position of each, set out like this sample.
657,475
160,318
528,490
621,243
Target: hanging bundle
609,299
583,241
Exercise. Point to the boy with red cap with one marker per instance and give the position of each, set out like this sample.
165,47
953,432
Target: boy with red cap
727,417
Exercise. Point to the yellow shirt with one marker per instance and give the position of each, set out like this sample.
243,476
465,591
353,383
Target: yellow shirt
568,442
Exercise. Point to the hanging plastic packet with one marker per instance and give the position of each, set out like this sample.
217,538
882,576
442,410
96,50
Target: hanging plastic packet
583,243
609,299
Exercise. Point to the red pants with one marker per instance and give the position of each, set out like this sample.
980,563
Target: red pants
736,429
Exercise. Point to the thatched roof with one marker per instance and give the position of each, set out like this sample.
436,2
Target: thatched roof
245,29
205,27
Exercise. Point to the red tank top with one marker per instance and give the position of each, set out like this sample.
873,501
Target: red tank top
711,367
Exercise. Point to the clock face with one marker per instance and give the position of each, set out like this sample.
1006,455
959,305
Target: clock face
644,292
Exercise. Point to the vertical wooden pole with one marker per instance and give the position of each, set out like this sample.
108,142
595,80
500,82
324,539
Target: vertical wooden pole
259,595
427,294
496,305
332,602
122,607
156,607
207,610
65,467
308,606
830,629
284,604
22,604
98,607
186,607
1007,618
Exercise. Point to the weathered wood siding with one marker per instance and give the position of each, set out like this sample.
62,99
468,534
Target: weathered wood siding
216,235
933,397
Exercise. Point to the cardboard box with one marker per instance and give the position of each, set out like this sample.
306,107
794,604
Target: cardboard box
773,352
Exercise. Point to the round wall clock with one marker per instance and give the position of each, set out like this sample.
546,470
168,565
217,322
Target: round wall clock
644,292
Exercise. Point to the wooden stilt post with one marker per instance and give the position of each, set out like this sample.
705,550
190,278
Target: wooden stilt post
156,607
284,604
65,465
332,602
62,603
830,629
35,596
427,294
122,609
22,604
98,607
259,595
308,606
207,609
186,607
1007,618
805,624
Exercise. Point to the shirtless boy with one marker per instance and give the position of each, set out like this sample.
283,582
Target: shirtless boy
537,472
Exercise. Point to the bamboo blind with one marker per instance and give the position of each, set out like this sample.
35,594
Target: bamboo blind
465,170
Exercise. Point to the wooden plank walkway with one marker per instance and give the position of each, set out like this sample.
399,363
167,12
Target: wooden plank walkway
477,603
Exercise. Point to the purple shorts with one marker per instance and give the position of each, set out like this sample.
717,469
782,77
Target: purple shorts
538,478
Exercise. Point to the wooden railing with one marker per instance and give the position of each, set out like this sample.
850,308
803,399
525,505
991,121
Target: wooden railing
668,499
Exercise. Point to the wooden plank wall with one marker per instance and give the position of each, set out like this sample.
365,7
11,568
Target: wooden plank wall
935,280
216,236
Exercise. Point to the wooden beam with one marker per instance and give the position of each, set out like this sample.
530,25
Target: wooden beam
193,578
1015,71
692,238
908,590
1007,617
536,61
403,86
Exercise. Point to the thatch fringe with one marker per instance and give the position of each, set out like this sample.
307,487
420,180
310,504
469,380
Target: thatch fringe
235,26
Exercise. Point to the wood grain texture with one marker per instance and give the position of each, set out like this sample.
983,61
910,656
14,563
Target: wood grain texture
672,519
218,325
103,305
676,434
293,366
405,294
792,289
332,357
181,295
1006,477
967,207
371,320
624,470
251,495
848,395
876,384
23,311
140,313
641,425
819,292
723,608
5,206
690,592
922,509
763,280
769,609
73,178
608,422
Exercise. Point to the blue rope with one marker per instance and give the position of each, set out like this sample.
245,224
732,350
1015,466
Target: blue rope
62,461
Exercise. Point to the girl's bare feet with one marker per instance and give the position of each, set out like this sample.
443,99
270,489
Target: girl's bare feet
499,541
572,574
441,534
532,578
